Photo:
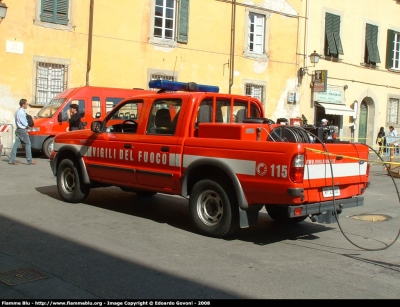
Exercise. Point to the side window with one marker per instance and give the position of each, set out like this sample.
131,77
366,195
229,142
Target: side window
371,53
223,111
333,44
257,33
164,116
111,102
51,79
205,112
393,50
81,107
127,123
169,21
239,111
96,107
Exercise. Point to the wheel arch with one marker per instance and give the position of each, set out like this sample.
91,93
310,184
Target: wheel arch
209,168
71,152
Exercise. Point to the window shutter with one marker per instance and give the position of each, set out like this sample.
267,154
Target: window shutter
62,11
371,38
389,49
336,33
183,25
55,11
329,33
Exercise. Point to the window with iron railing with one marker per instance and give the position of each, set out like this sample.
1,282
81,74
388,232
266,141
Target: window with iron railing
51,80
393,111
255,90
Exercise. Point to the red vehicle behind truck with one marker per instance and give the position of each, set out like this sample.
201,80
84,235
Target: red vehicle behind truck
93,102
217,150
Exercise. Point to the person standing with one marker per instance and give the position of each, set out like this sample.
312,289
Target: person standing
74,118
21,135
393,134
381,140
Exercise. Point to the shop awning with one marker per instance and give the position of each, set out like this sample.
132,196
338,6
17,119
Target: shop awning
336,109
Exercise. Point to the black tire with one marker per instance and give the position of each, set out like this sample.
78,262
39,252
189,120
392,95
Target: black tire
213,209
280,214
70,184
48,146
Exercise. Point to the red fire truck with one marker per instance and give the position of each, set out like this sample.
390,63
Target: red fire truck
217,150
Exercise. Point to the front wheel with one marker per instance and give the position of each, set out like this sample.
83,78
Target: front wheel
70,184
213,209
48,146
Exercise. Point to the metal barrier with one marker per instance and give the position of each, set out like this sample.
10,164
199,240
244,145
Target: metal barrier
6,138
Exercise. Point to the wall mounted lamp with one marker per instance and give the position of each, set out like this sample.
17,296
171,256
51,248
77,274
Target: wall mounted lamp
3,10
314,58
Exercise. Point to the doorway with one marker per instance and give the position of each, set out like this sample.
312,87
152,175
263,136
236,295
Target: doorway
362,130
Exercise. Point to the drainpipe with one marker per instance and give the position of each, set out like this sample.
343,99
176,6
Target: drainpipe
89,56
232,51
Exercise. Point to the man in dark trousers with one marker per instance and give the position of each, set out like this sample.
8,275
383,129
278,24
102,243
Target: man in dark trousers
74,118
21,135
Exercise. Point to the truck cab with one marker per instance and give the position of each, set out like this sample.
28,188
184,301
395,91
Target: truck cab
93,102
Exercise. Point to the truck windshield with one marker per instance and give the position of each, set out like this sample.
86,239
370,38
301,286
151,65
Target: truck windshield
48,110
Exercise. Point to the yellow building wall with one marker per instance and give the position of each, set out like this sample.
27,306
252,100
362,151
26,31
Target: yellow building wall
374,85
121,55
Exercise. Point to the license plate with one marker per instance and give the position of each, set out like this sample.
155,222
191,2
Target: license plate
327,192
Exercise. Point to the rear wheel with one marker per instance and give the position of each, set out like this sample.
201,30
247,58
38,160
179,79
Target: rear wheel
48,146
213,209
70,184
280,214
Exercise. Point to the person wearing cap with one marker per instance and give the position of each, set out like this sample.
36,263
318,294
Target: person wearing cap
324,123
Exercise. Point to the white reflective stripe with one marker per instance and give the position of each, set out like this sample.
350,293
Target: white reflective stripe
175,160
244,167
318,171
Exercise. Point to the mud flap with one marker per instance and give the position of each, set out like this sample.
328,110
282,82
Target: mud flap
249,217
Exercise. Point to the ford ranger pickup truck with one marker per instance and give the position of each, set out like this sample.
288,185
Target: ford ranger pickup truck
217,150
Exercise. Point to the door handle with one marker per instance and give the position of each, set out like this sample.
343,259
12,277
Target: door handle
165,149
127,146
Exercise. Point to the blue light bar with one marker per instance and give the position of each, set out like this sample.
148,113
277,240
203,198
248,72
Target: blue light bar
167,85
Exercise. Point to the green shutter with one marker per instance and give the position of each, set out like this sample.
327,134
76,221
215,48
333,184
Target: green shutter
55,11
62,11
371,38
329,33
183,25
336,33
332,31
390,49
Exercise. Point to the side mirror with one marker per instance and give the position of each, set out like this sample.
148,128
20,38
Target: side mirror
60,117
96,126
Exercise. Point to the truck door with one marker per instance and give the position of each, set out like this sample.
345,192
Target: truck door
111,153
159,152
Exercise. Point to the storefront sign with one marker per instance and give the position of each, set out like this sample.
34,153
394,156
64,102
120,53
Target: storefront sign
320,80
329,96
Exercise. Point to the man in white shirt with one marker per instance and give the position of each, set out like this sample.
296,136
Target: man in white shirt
393,134
21,135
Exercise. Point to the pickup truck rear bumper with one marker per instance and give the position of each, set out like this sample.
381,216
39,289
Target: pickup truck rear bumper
323,211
